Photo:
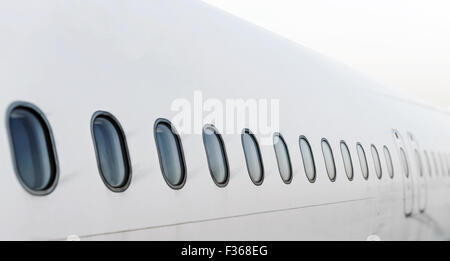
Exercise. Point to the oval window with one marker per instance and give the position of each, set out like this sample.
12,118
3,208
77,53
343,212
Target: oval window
329,159
404,162
170,153
32,147
112,151
216,155
377,162
252,157
362,160
308,159
388,158
283,159
347,158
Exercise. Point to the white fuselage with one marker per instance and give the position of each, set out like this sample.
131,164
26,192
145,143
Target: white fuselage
73,58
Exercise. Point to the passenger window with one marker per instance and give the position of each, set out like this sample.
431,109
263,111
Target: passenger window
388,158
363,160
253,157
216,155
283,159
404,162
170,153
32,147
111,151
428,162
308,159
346,157
376,160
329,159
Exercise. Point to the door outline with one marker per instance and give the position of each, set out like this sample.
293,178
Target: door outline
420,186
407,177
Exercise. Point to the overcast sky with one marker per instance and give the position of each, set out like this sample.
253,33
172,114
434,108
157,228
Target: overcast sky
402,43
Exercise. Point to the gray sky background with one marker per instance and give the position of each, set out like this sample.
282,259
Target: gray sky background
402,43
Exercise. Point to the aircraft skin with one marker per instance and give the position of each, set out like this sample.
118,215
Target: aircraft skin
73,58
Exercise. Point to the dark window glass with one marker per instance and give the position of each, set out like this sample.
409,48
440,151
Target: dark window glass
112,152
308,159
362,160
347,158
216,155
329,159
170,153
283,159
32,148
252,157
390,166
377,162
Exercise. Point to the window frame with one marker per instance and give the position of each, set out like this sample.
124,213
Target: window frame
258,149
351,160
376,161
51,146
324,140
224,153
303,137
125,151
390,170
281,138
359,144
174,132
